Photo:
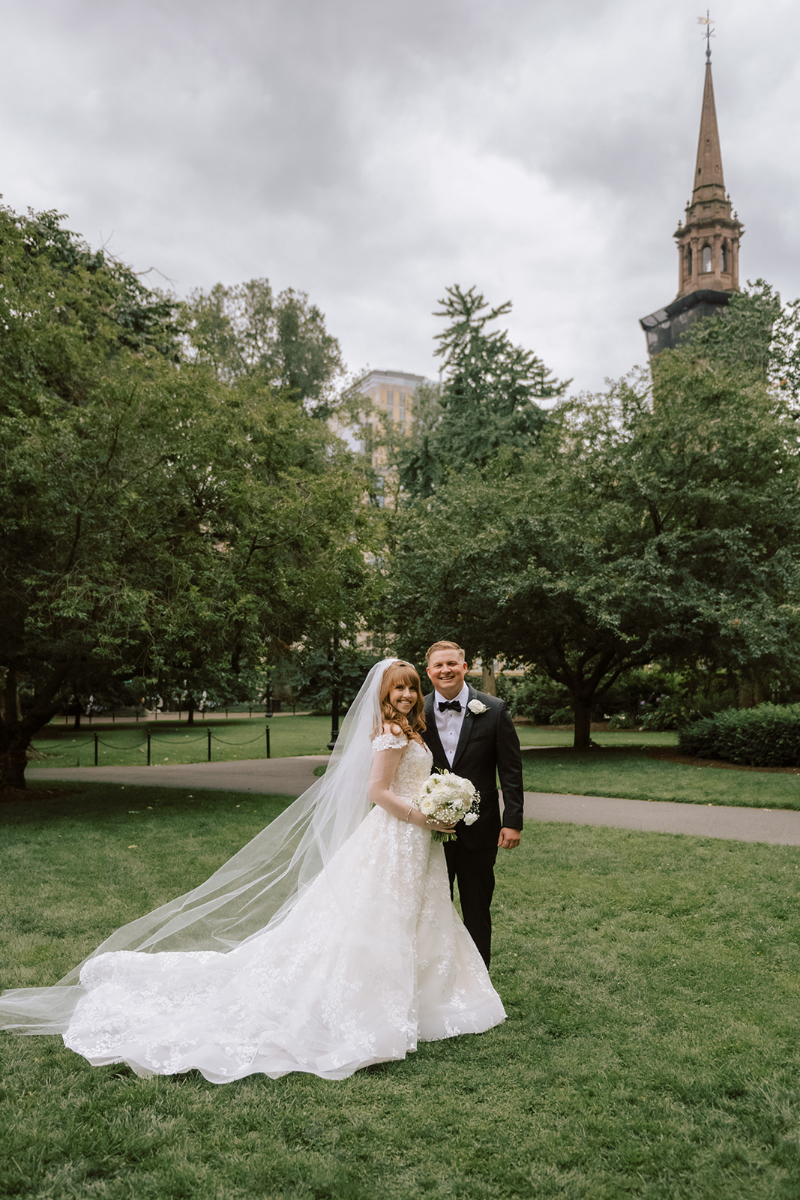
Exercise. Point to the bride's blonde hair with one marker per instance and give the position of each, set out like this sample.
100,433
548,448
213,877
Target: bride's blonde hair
402,674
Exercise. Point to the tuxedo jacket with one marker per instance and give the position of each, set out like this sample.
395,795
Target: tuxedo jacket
487,747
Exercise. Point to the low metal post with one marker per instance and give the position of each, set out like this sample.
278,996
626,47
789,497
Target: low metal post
95,749
266,730
209,745
148,747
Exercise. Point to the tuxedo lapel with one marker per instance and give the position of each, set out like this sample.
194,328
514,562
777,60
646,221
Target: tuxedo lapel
431,731
466,729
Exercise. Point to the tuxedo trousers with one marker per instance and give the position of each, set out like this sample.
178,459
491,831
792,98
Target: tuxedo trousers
473,871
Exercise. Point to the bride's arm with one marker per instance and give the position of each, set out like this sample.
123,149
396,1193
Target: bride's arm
384,769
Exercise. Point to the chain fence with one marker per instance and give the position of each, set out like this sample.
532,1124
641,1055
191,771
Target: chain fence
149,739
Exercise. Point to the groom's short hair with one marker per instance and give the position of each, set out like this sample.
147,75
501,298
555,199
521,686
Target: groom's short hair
444,646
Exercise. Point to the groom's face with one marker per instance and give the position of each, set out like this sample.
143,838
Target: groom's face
446,671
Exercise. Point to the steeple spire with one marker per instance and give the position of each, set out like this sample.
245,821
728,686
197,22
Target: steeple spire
708,181
708,240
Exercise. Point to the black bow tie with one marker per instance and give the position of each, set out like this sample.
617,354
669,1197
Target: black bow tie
454,704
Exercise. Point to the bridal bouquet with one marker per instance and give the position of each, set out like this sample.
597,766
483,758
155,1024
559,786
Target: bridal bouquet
448,798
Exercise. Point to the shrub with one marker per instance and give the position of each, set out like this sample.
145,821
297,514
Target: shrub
767,736
562,716
533,696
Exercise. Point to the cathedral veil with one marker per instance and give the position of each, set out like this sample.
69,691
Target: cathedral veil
252,891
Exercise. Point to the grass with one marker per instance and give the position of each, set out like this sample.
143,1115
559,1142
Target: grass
541,735
630,774
126,745
652,1048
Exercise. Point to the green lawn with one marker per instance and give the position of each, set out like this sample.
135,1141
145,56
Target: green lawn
652,1048
126,745
630,774
541,735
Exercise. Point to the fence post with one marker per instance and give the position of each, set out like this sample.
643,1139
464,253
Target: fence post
148,747
209,744
266,730
95,749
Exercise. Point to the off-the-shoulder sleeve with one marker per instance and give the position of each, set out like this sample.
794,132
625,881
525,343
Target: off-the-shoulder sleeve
388,741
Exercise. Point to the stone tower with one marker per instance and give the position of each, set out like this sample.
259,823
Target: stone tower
708,241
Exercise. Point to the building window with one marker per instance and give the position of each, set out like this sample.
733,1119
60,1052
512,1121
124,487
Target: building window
724,265
689,260
707,259
389,399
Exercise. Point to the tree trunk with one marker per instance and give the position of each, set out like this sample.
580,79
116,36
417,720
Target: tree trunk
751,693
583,723
488,684
190,710
13,761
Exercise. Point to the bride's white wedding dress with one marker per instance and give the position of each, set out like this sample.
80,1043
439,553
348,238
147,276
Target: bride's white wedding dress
370,960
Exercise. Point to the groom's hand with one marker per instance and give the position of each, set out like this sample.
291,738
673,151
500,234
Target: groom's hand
509,838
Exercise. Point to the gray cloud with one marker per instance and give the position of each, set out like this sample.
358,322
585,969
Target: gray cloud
373,153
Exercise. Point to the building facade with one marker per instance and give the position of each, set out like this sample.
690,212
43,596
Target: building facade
391,399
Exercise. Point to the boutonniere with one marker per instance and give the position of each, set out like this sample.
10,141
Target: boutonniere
476,708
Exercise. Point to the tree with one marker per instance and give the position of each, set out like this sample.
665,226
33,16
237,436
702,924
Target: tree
247,332
157,521
634,530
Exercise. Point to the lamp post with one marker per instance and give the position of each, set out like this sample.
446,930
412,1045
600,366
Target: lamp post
334,690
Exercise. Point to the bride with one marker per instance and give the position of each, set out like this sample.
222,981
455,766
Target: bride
328,943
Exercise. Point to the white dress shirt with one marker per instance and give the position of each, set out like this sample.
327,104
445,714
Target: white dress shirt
449,723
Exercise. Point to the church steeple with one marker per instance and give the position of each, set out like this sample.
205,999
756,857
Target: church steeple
708,243
708,239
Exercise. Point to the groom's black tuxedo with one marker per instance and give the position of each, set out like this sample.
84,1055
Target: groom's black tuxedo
488,746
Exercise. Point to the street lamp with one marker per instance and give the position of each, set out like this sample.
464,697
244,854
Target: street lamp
334,690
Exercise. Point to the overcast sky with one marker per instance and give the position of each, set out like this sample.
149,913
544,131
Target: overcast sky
372,153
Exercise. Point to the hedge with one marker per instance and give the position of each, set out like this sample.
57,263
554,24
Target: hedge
766,736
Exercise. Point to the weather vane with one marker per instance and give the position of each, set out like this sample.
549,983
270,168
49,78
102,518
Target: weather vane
709,33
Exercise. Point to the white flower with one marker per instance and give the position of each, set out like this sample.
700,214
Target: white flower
427,806
476,708
470,818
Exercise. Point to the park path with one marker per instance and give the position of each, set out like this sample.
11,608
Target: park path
291,776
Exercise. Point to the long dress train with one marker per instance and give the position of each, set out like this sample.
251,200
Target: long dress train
370,960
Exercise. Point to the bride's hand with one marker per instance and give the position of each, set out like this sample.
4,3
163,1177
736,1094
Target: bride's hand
437,825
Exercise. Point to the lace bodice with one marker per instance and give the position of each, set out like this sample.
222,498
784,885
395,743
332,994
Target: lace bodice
414,768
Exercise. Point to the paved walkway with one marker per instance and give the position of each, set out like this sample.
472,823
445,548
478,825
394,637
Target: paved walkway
291,776
276,776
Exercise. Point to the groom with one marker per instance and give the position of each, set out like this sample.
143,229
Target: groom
471,734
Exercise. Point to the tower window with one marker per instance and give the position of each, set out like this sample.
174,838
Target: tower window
706,259
689,260
725,265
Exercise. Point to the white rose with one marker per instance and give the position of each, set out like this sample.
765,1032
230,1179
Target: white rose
427,807
476,708
470,818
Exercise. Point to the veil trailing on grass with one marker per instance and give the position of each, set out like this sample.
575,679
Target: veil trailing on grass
251,892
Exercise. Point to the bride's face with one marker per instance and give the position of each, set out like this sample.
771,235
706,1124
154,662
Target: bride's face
402,697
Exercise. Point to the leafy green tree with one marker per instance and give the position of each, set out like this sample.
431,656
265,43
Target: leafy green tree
247,332
492,388
489,398
157,521
635,530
